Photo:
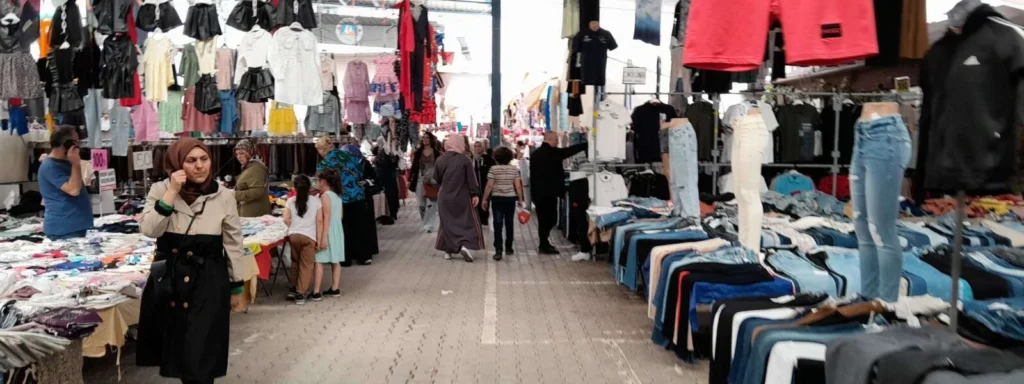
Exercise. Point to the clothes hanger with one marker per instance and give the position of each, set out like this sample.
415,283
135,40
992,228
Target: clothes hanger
295,26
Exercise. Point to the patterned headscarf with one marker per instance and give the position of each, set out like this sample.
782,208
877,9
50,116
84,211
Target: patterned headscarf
246,146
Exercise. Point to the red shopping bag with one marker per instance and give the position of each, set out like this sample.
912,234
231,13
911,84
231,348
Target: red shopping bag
524,216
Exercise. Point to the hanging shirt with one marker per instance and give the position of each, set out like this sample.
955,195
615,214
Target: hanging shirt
611,122
647,119
610,187
592,54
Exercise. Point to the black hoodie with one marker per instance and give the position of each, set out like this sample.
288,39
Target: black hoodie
973,106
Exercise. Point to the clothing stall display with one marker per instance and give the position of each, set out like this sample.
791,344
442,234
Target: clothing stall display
357,90
325,117
295,11
385,83
295,65
63,95
156,64
119,63
158,14
612,122
246,14
201,22
682,153
253,77
590,49
18,76
647,119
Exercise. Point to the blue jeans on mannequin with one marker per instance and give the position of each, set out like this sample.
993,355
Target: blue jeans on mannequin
881,153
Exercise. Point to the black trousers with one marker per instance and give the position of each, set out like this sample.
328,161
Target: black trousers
504,208
547,217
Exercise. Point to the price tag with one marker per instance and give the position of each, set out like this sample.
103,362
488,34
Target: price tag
143,160
108,180
634,75
99,159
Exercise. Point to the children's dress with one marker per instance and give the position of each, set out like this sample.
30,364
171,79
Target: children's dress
335,252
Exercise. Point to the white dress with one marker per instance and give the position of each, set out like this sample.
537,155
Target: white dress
156,59
296,67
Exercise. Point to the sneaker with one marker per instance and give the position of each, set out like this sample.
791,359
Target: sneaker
509,251
466,255
301,300
447,256
332,293
497,256
292,295
549,250
315,297
366,262
581,256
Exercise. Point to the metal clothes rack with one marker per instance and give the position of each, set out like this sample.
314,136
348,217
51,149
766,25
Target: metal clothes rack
716,163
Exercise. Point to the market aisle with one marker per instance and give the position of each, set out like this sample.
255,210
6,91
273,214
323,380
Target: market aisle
414,317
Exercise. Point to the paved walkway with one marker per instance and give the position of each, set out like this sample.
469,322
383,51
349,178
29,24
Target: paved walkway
413,317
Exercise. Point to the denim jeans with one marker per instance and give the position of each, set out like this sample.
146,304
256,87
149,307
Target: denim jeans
628,277
612,219
644,207
707,293
935,283
620,237
758,358
503,209
809,277
750,136
72,235
94,109
881,153
428,208
682,141
845,262
1002,316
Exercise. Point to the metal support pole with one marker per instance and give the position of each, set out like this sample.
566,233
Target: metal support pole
837,106
657,80
495,73
714,148
958,240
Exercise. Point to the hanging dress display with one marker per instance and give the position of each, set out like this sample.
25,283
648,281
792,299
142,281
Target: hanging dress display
207,98
296,67
253,116
64,96
195,121
86,62
247,13
18,75
385,84
202,22
328,67
156,66
189,67
357,90
170,110
119,62
290,11
325,117
160,14
66,25
112,15
146,122
252,75
225,67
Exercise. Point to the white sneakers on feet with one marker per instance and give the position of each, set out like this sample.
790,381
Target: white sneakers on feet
466,255
581,256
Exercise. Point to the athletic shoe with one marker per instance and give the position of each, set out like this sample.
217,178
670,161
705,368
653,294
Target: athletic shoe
581,256
292,295
366,262
466,255
301,300
447,256
332,293
315,297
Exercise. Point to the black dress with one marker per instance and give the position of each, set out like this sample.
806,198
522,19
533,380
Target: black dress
243,16
186,334
66,26
119,62
153,16
202,22
63,93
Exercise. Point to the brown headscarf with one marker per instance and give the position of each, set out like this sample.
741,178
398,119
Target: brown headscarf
173,160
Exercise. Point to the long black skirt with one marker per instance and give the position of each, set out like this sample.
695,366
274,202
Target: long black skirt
360,231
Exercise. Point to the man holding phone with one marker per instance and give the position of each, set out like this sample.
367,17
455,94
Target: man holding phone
68,212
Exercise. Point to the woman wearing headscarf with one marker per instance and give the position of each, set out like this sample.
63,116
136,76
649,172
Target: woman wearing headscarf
251,189
358,220
198,270
457,201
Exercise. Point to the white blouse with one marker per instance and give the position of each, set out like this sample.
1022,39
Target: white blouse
206,50
252,52
296,68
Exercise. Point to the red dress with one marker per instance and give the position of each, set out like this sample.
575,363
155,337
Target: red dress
406,46
134,36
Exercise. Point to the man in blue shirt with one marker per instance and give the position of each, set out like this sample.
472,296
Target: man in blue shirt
68,211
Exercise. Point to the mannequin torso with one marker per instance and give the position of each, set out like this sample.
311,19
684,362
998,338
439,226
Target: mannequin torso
874,110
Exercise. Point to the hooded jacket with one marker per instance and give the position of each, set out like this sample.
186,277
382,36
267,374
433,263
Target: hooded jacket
972,107
251,190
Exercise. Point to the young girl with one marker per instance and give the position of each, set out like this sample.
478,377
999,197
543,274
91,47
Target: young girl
301,215
504,190
330,235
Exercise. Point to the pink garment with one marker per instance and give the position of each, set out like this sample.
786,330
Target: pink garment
357,82
225,64
357,112
146,122
195,120
385,83
254,116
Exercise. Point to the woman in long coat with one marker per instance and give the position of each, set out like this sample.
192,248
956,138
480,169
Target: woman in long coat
457,201
198,269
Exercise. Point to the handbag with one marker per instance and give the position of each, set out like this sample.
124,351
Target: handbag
430,191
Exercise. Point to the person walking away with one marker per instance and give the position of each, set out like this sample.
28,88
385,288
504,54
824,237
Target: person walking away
331,246
252,189
198,270
547,183
302,216
359,222
482,163
387,163
460,227
422,180
504,190
67,209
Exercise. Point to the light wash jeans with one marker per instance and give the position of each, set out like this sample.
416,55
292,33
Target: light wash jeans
120,128
682,142
428,208
881,152
94,109
750,139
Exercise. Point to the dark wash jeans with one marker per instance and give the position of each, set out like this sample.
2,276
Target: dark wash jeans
503,208
72,235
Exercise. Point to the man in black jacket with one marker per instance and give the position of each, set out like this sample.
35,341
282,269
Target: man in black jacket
547,183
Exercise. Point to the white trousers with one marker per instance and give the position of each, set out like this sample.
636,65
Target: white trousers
748,145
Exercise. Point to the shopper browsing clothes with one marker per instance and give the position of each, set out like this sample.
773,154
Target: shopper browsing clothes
198,270
305,224
421,179
359,221
457,201
547,183
504,190
67,208
482,163
331,245
252,187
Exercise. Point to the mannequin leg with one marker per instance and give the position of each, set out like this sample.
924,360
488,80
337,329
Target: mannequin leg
747,155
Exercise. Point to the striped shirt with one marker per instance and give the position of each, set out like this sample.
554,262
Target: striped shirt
504,177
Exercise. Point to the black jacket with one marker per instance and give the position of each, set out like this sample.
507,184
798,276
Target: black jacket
482,165
547,176
972,107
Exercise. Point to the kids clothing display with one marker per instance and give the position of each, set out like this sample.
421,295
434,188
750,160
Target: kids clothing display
296,67
385,84
282,119
156,59
357,90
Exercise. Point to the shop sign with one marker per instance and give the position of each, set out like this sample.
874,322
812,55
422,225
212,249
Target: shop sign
349,31
99,159
143,160
634,76
108,180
